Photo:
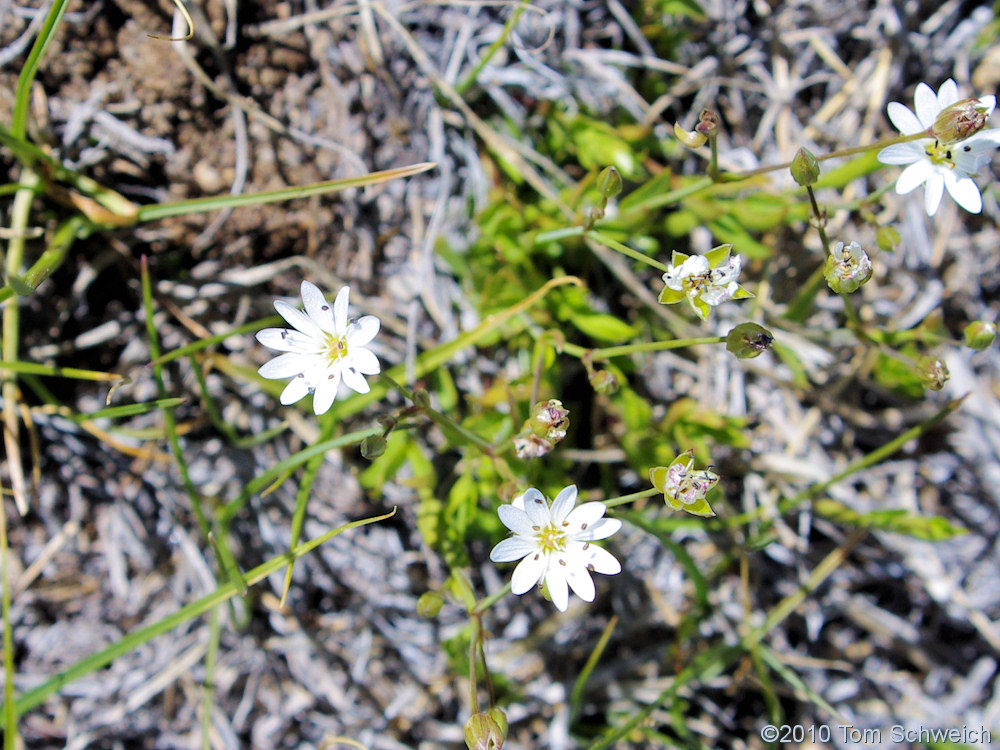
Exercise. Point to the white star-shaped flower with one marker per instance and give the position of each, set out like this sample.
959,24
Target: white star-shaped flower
553,543
937,162
704,280
323,350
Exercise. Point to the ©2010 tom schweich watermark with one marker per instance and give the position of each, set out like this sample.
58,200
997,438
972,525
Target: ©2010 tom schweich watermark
895,734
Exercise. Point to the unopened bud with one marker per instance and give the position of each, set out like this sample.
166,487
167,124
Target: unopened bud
708,123
748,340
933,373
980,335
496,713
482,732
373,446
886,238
690,138
609,182
604,382
429,604
805,168
960,120
421,399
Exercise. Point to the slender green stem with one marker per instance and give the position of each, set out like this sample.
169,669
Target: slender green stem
208,688
442,420
462,86
9,712
736,176
624,499
576,694
601,355
625,250
488,601
861,464
22,97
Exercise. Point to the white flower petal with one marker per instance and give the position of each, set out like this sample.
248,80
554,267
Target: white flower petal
364,361
580,581
340,311
600,530
563,504
317,307
947,95
903,119
602,561
363,331
297,388
527,573
925,102
555,580
582,518
537,509
355,381
326,393
515,519
933,191
286,365
512,549
913,176
965,192
298,320
287,340
902,153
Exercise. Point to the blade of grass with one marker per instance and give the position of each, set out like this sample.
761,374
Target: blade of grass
9,714
218,202
33,368
11,337
22,97
229,564
576,694
35,696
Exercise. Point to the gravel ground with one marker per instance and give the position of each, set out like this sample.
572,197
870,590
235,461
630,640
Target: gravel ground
905,633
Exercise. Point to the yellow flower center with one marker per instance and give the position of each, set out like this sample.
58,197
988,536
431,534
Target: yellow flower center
940,154
551,539
336,348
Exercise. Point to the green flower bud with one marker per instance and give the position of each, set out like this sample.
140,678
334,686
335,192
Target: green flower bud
604,382
748,340
429,604
886,238
609,182
483,733
805,168
421,399
496,713
933,373
373,446
980,335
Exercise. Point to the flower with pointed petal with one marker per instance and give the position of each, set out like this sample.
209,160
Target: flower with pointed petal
942,160
703,280
553,543
682,486
321,350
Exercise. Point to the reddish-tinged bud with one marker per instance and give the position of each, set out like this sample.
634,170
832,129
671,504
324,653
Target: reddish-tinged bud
708,123
960,120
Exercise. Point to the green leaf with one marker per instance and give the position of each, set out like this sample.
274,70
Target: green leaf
604,327
899,520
